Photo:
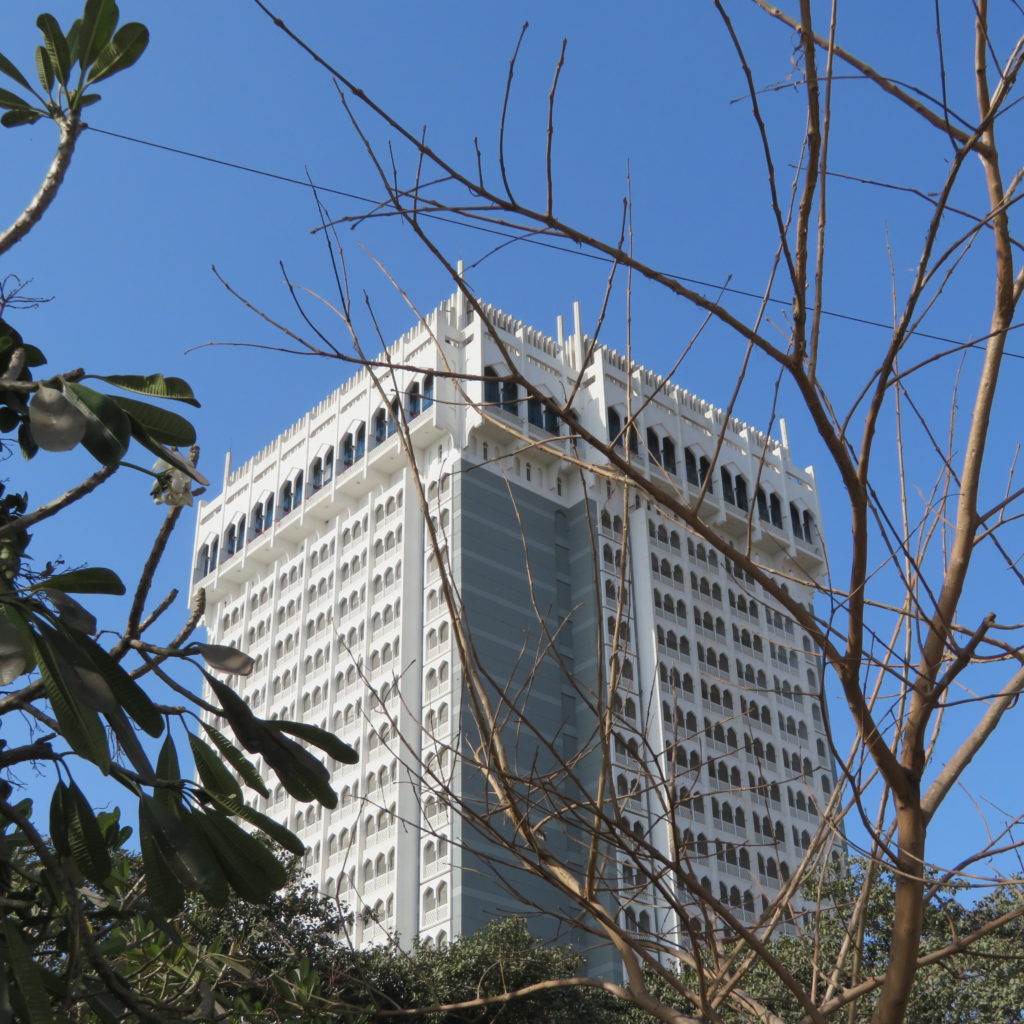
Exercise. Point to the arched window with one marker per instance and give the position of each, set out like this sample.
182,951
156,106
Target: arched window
535,413
668,455
740,487
428,391
413,401
653,446
510,397
727,489
380,427
614,426
492,386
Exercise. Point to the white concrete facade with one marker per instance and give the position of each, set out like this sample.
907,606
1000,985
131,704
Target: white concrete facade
315,559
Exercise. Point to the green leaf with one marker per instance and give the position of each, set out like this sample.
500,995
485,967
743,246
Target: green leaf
12,101
162,885
214,776
126,690
16,118
10,70
84,581
252,870
127,46
108,429
127,736
86,100
56,47
326,741
167,766
59,822
88,847
162,425
156,385
79,725
172,459
26,441
28,976
73,39
9,420
301,774
281,834
84,683
183,843
44,69
237,760
98,23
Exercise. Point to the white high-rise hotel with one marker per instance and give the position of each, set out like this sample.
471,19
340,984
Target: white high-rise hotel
315,559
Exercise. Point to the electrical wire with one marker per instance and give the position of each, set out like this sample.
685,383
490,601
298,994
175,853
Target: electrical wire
497,232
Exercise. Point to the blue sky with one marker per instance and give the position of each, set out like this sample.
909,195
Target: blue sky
654,92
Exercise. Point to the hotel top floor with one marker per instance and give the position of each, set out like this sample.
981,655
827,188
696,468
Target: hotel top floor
444,378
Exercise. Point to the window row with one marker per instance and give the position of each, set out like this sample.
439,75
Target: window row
504,395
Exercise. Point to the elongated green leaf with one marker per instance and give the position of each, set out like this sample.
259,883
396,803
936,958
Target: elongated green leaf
171,458
56,47
59,821
73,40
98,23
86,99
84,581
12,101
44,69
184,845
107,430
86,686
167,766
301,774
11,71
249,729
28,977
253,871
88,847
14,119
326,741
163,425
126,690
162,885
214,776
281,834
79,724
26,441
237,760
127,46
156,385
127,737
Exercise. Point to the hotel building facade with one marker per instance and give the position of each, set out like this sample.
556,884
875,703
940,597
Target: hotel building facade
578,595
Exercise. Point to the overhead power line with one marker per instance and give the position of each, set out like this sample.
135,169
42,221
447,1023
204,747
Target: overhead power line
511,235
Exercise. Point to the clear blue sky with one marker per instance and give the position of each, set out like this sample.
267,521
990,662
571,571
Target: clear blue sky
653,89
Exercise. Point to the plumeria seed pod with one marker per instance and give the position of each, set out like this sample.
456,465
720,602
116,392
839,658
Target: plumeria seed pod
225,659
56,425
